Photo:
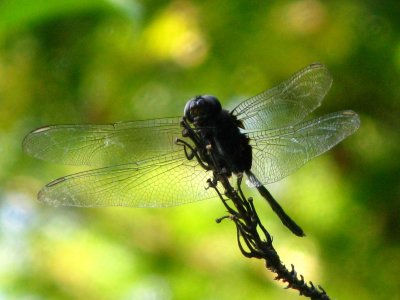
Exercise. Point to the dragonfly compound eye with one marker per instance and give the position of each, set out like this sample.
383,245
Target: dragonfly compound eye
202,108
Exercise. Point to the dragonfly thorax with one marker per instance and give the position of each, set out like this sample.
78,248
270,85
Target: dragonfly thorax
202,109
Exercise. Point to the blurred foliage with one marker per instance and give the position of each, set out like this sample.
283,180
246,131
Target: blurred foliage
104,61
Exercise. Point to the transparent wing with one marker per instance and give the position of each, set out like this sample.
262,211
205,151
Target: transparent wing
99,145
288,103
158,182
277,153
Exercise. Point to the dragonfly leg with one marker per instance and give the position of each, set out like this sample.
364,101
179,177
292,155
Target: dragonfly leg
192,153
239,184
190,133
189,155
212,183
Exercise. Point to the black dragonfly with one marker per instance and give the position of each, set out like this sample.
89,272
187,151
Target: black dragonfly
167,162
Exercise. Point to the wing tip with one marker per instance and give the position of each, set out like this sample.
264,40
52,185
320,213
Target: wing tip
25,144
40,129
46,197
316,65
354,118
54,182
29,140
319,67
43,197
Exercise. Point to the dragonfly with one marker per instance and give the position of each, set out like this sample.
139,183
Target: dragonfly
166,162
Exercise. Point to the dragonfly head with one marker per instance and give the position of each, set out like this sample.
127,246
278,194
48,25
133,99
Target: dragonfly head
201,109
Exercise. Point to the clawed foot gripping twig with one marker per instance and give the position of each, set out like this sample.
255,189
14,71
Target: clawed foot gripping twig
255,241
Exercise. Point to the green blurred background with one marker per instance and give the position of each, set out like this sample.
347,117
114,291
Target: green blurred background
104,61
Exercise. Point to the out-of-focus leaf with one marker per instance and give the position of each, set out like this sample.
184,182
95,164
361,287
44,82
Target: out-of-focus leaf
25,12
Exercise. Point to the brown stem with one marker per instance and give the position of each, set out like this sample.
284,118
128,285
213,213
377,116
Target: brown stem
254,240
